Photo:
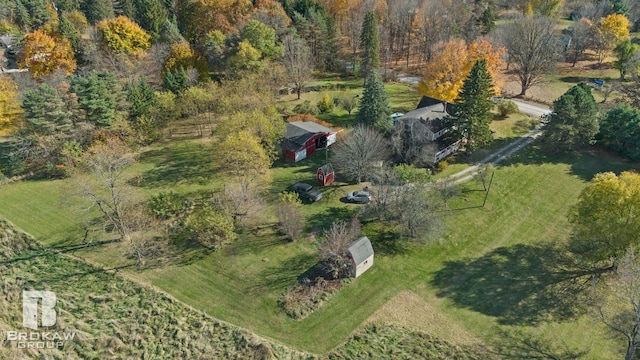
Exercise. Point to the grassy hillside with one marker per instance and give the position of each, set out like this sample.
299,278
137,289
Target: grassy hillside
113,318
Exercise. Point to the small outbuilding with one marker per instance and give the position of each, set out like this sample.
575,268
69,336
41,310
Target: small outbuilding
303,138
325,175
361,252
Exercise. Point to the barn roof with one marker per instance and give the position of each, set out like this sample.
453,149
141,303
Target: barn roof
361,250
299,132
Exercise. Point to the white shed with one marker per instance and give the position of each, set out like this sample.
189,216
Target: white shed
361,252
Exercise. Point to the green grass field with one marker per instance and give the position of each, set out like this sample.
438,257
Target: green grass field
484,268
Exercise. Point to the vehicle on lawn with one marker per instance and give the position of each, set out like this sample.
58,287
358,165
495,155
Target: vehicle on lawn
307,191
360,197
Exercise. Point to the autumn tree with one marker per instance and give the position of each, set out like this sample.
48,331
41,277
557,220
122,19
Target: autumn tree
266,125
243,157
573,122
435,27
183,56
297,61
532,48
609,31
43,54
360,152
121,35
451,64
606,219
245,58
370,44
472,115
9,105
196,18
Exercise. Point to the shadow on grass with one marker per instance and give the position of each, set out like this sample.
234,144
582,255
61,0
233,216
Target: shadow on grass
385,240
256,240
285,274
584,163
523,345
177,162
324,219
573,79
519,285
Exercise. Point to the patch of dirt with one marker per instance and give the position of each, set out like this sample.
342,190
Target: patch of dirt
410,310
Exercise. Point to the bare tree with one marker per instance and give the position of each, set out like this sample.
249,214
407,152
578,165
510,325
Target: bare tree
435,27
102,182
297,60
353,28
290,220
361,151
243,202
334,247
582,36
533,49
617,303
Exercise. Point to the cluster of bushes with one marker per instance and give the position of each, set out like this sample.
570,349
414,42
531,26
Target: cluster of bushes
308,296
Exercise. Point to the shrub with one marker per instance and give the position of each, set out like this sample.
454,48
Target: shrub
325,105
166,205
442,165
411,174
507,107
306,108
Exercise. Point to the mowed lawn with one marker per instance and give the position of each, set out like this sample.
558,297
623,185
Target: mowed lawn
486,267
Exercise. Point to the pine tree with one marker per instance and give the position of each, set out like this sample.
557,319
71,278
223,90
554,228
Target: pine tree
370,43
374,108
574,120
176,80
45,112
98,96
471,115
141,97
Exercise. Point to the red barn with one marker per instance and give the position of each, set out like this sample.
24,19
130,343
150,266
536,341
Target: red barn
303,138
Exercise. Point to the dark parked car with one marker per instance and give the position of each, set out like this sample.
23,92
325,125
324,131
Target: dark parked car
360,197
307,191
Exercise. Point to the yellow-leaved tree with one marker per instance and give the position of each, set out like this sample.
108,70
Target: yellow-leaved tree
122,35
606,219
610,31
10,109
182,55
43,53
449,66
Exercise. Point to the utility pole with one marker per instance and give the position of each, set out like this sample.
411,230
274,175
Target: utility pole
488,189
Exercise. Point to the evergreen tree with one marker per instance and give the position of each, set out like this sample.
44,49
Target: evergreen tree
98,95
45,112
573,122
141,98
69,31
97,10
151,16
374,108
23,19
370,42
620,131
176,80
472,115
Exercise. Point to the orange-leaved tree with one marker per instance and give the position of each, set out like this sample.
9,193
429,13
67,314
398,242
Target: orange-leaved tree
196,18
43,53
122,35
450,64
10,109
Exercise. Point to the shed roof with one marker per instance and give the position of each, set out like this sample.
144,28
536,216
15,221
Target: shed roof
361,250
299,132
